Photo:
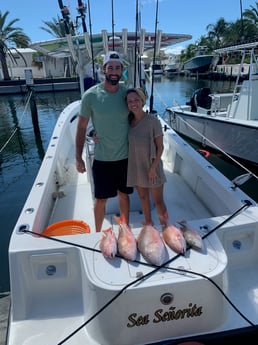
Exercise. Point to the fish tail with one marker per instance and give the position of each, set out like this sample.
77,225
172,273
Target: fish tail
106,231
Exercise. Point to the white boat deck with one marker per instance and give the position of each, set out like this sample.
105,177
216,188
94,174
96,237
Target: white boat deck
175,192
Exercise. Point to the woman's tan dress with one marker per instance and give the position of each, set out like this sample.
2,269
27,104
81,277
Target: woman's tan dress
142,151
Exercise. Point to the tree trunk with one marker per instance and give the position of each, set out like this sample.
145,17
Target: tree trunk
4,64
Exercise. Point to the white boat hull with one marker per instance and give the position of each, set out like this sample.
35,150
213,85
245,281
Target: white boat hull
198,63
235,137
64,291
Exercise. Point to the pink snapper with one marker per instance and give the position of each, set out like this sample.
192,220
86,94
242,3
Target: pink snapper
127,244
174,238
108,243
151,245
191,235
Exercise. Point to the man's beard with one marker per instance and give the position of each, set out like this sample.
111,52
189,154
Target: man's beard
112,81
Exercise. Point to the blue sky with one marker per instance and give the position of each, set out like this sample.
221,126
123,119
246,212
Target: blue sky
174,16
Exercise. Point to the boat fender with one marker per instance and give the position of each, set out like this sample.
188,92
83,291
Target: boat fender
205,153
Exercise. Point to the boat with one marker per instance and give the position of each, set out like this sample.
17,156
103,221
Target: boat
172,67
156,68
64,291
200,63
224,121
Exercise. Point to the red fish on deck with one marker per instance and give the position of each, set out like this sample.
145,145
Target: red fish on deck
191,235
174,238
151,245
108,243
126,242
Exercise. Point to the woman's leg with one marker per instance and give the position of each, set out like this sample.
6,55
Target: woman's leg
157,195
145,202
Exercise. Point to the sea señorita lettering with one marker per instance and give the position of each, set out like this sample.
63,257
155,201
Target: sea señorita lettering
161,315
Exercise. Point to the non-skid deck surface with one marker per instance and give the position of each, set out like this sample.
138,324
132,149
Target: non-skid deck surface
78,203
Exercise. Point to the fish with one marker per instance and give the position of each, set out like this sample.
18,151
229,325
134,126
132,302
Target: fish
174,238
151,245
191,235
108,243
126,242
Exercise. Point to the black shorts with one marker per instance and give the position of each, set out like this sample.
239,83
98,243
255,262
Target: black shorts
110,177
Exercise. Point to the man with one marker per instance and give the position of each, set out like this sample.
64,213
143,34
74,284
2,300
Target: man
105,104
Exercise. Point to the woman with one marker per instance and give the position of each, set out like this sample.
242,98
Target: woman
145,168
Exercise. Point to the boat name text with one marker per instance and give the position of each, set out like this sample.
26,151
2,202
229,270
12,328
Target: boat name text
161,315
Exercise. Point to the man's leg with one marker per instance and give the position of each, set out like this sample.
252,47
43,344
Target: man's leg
99,213
124,205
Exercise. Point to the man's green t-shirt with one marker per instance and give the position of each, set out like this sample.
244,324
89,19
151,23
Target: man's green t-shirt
109,114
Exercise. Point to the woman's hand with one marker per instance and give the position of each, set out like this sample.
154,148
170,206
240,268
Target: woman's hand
152,175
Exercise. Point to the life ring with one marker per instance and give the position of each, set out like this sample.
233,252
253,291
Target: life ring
205,153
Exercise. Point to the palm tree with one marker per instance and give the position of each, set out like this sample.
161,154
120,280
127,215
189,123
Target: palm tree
11,38
250,22
216,32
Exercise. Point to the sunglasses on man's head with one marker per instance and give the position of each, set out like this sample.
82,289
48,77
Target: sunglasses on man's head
114,56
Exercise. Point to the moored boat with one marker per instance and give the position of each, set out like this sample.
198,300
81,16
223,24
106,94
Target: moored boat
156,68
224,121
173,65
200,63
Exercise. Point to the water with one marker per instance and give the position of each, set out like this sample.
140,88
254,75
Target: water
20,159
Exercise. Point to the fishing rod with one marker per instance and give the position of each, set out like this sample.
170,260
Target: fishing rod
91,43
65,14
82,11
82,8
154,58
66,20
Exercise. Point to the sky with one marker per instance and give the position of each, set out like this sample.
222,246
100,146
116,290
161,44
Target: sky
174,16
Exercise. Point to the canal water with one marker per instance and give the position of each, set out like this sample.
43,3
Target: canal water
21,152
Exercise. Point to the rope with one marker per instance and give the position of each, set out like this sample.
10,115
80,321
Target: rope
19,124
